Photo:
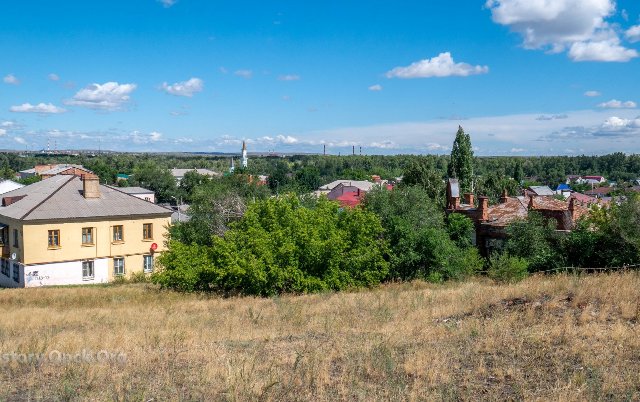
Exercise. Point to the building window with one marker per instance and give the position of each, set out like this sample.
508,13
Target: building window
148,263
118,266
87,270
87,236
4,236
147,231
16,243
16,272
54,238
5,267
118,233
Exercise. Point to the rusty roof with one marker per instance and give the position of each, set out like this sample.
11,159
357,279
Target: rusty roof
518,208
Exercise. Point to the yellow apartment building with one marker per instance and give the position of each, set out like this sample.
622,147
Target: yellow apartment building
67,230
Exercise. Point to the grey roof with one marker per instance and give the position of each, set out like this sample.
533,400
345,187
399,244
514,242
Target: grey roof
62,168
133,190
9,185
364,185
60,197
182,172
32,170
542,190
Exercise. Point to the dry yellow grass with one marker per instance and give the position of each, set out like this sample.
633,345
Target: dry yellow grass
557,337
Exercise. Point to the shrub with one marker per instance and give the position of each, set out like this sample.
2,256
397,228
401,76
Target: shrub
280,246
506,268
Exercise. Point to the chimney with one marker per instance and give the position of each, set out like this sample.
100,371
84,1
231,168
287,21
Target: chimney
90,186
505,197
455,203
572,209
531,206
483,208
469,198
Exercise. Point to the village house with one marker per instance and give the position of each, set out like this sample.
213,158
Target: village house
178,174
350,193
68,230
139,192
49,170
491,221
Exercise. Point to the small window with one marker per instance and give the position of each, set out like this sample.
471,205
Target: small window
118,233
4,236
16,272
87,270
16,243
5,267
148,263
147,231
118,266
87,236
54,238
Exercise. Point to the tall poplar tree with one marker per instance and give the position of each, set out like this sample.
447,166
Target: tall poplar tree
461,164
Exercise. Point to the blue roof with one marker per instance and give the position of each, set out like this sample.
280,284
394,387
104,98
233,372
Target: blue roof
563,186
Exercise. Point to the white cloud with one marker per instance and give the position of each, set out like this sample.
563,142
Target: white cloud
246,74
167,3
592,94
617,123
11,79
439,66
558,25
7,123
53,77
289,77
184,88
20,140
107,96
2,132
376,87
517,150
140,138
633,34
606,50
45,108
616,104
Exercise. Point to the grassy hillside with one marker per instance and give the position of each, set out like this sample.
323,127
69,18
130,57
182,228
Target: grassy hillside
556,337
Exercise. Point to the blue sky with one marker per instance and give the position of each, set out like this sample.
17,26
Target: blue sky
523,77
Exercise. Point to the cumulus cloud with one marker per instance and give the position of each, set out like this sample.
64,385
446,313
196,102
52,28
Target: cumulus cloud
141,138
43,108
633,34
20,140
579,26
606,50
616,104
289,77
2,132
184,88
376,87
11,79
517,150
108,96
167,3
246,74
53,77
441,65
592,94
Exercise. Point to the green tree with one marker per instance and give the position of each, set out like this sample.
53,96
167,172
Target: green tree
420,244
536,240
280,246
422,174
518,171
150,175
461,164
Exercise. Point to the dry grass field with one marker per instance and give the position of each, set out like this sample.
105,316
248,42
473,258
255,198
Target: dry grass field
554,337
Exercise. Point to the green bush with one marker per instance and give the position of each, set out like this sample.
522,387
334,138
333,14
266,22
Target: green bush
281,246
506,268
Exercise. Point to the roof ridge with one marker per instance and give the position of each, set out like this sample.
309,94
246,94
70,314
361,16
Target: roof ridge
47,198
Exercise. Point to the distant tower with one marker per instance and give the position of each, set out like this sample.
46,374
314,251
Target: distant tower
232,167
244,155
